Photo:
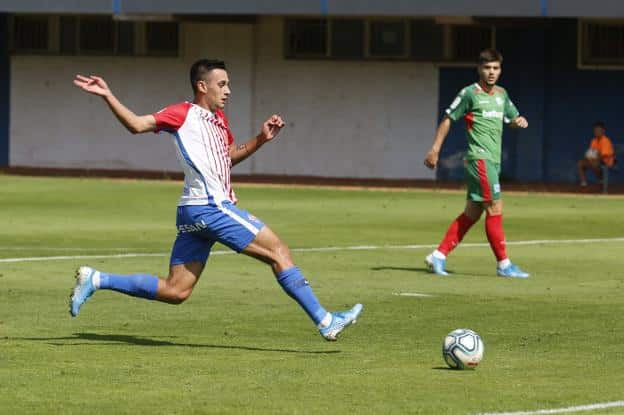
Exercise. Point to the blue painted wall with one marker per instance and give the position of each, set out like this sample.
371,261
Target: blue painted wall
4,90
560,101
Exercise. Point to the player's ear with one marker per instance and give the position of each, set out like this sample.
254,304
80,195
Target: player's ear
200,86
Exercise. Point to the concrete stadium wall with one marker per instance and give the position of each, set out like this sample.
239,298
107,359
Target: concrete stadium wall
345,119
5,96
53,124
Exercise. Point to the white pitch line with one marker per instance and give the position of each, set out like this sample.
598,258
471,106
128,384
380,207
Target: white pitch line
568,410
63,257
62,249
317,249
412,295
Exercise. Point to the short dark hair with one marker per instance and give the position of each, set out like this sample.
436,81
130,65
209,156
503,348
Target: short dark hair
599,124
203,66
490,55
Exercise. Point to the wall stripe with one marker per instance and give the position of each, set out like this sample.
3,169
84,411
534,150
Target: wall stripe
544,7
5,89
116,6
324,6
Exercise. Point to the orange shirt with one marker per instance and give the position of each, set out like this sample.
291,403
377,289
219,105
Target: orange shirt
604,147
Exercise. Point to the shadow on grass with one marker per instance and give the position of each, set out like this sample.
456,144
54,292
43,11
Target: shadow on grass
448,369
391,268
117,339
426,270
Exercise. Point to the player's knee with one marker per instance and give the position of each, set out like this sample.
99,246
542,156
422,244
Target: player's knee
494,207
173,294
280,255
180,296
494,210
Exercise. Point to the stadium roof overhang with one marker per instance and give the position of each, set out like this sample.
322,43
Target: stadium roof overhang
485,8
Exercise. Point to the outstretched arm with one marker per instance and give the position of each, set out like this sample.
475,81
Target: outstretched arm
431,160
134,123
270,129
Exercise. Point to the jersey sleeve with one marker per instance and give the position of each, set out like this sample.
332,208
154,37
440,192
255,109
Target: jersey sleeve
606,147
511,111
172,117
460,106
221,115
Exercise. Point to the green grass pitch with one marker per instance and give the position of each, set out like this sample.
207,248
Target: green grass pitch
239,345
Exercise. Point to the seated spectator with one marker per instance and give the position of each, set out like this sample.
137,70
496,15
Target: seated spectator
600,152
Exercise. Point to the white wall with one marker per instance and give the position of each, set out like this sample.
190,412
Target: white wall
53,124
344,119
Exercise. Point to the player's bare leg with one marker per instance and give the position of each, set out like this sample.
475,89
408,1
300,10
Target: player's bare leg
175,289
268,248
585,164
180,283
473,210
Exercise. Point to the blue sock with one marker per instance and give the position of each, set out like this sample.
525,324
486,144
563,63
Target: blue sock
136,285
298,288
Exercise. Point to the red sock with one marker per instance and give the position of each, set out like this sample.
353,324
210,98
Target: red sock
496,235
455,233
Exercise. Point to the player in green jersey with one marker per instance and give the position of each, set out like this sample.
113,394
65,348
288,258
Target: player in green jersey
485,108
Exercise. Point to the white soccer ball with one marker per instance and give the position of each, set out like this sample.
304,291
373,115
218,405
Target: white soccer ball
463,349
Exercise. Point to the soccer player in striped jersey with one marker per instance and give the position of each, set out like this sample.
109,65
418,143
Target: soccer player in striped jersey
207,211
485,108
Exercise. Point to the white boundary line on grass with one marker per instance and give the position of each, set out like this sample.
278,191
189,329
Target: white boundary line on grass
57,248
318,249
568,410
412,295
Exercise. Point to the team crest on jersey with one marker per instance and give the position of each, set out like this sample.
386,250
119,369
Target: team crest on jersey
499,101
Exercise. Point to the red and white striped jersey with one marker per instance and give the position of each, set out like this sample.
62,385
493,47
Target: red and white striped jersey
202,139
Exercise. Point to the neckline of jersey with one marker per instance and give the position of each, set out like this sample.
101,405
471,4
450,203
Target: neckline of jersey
492,93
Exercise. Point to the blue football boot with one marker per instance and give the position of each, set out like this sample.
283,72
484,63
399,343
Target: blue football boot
341,321
511,271
83,289
436,265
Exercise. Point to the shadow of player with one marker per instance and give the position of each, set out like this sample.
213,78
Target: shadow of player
121,339
423,270
391,268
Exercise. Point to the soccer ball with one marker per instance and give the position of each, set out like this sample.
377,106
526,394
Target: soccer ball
462,349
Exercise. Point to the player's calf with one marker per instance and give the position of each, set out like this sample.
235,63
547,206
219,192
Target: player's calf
270,249
89,280
172,294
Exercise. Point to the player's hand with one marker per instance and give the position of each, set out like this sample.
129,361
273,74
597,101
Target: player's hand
92,84
271,128
431,160
520,122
